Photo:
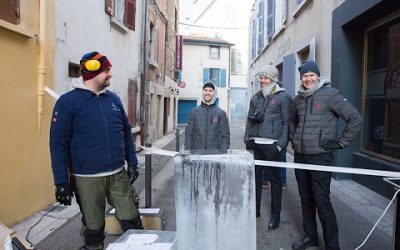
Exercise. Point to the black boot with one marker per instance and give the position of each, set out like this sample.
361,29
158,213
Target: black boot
305,243
131,224
274,222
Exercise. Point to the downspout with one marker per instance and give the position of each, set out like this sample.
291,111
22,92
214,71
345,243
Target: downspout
143,103
41,66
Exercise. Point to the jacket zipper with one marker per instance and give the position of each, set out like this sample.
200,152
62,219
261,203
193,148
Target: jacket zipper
205,142
312,104
107,132
302,129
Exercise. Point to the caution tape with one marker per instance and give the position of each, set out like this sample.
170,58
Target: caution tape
344,170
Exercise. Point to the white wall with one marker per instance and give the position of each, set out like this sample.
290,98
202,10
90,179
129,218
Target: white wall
84,26
195,59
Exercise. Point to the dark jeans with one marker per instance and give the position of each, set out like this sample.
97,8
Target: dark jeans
314,190
282,171
267,152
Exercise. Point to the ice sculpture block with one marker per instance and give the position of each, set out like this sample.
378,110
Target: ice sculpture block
215,200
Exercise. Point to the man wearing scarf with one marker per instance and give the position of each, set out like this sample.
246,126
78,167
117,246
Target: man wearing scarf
313,130
208,125
266,135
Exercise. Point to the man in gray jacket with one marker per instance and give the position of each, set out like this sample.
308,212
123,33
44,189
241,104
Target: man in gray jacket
208,126
266,134
313,129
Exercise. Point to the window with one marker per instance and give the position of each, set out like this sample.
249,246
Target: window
9,11
119,10
216,76
152,41
123,12
381,105
73,70
214,52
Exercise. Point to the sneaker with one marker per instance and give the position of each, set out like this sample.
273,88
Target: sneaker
264,184
284,185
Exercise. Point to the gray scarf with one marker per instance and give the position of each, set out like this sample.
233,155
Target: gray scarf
268,89
308,92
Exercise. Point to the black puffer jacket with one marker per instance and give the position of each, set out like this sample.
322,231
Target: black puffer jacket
277,108
208,128
315,118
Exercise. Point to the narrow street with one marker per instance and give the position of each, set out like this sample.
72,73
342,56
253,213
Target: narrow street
357,209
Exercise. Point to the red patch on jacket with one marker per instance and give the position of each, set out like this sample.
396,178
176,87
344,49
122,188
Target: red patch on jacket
317,105
274,101
215,119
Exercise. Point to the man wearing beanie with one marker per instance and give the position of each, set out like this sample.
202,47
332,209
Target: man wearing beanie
90,141
208,125
266,135
313,130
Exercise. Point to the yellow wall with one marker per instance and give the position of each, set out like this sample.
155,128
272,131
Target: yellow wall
26,182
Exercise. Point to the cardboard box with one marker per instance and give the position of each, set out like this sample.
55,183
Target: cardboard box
152,219
17,241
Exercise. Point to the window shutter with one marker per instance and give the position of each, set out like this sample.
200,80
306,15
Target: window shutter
271,19
253,39
9,11
222,78
132,93
206,75
260,17
130,14
109,6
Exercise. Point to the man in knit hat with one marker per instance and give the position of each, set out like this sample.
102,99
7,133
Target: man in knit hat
313,130
90,141
208,125
266,135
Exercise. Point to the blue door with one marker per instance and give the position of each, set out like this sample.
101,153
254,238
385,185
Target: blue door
184,108
238,103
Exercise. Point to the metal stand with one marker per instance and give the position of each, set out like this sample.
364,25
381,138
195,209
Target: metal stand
147,177
177,139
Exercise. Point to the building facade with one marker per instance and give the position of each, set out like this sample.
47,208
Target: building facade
204,59
113,29
224,19
27,47
358,49
158,101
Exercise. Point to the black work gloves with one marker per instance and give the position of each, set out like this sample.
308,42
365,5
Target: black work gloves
64,194
331,145
133,173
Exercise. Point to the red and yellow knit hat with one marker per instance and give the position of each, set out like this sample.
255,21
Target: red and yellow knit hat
92,64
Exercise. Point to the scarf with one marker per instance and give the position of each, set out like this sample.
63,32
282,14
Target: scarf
268,89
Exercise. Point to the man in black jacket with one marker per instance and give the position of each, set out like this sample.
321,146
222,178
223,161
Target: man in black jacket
208,125
313,129
266,134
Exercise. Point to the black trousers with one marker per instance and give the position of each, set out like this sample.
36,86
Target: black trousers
314,190
267,152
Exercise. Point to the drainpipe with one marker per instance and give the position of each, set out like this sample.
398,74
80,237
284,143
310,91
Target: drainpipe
143,103
41,66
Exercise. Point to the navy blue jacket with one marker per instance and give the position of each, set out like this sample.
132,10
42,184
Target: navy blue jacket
89,134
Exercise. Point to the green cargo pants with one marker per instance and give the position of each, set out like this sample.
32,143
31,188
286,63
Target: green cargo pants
92,193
